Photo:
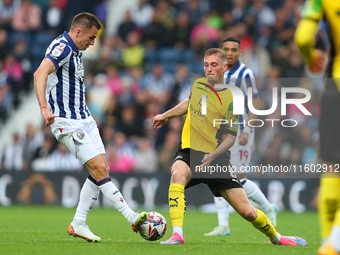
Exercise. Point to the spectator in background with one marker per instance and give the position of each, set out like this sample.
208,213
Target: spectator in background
124,147
118,163
23,56
109,53
146,159
13,154
239,10
130,124
114,82
61,159
295,68
99,96
4,47
158,84
194,10
52,19
168,14
134,52
265,15
15,74
204,33
27,18
257,59
284,28
153,34
32,142
100,10
127,96
179,35
182,84
136,73
126,27
112,112
142,14
167,150
8,8
6,95
107,133
41,154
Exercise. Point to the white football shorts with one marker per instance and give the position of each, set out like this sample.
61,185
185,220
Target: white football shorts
81,137
241,154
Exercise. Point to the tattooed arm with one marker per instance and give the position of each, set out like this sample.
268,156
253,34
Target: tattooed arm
40,82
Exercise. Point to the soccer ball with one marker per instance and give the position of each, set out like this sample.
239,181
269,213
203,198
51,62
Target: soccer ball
154,227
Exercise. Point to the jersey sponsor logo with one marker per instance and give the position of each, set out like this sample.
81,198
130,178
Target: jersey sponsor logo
116,192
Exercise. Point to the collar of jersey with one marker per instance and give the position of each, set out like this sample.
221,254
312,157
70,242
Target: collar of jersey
231,71
70,41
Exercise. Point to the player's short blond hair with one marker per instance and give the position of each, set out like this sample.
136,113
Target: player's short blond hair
216,51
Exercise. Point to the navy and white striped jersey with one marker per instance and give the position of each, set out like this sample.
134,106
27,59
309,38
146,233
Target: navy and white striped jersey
65,91
242,77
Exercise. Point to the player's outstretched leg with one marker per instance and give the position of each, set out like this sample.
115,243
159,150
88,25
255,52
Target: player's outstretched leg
116,199
332,245
222,229
238,199
255,194
88,196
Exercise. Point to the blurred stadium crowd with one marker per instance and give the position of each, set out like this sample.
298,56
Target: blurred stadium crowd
147,66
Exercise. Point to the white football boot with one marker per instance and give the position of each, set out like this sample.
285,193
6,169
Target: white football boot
83,231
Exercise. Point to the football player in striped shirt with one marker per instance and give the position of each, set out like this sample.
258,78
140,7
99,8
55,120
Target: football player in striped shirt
60,90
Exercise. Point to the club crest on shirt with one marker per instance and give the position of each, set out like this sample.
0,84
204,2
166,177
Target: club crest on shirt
80,134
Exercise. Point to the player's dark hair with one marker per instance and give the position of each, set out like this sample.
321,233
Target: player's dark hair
216,51
85,20
232,39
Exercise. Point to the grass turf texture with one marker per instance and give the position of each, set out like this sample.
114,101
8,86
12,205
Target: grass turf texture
42,230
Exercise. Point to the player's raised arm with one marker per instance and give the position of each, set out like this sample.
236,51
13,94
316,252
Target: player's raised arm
161,119
40,81
227,143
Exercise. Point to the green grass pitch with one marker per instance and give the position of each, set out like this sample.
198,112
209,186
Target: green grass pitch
42,230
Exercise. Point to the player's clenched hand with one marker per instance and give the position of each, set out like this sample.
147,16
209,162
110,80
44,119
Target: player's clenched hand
48,117
243,138
318,63
159,121
207,159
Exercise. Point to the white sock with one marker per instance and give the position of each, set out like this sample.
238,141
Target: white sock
222,207
254,193
334,237
116,199
179,230
276,239
88,196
